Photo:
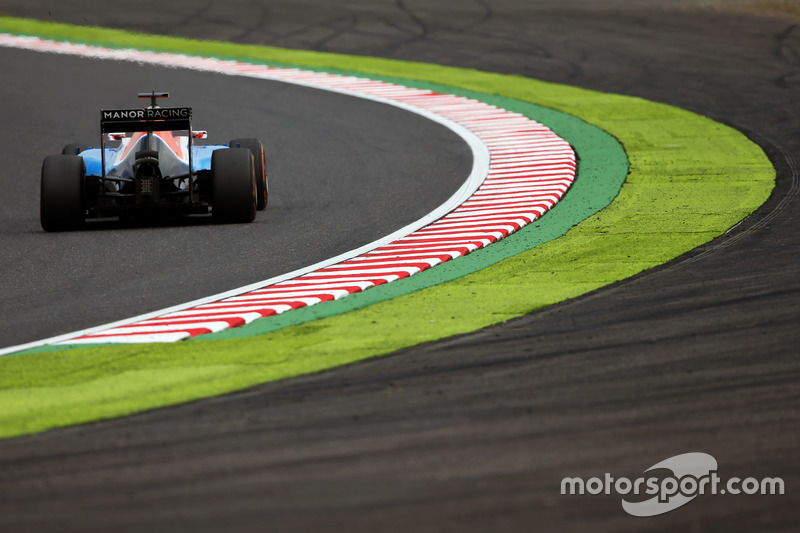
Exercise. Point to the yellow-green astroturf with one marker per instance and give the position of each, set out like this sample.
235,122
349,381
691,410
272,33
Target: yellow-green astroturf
689,180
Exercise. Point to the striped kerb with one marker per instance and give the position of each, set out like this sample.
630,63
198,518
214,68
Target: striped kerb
530,169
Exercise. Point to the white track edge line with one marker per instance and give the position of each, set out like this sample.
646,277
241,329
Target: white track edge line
480,170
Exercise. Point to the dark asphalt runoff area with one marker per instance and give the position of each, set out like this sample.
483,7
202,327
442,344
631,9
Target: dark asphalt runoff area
476,433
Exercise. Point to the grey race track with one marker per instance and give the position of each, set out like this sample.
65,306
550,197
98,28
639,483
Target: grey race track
343,172
476,433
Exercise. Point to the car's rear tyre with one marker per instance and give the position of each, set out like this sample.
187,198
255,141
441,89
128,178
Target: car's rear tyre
260,167
234,185
62,205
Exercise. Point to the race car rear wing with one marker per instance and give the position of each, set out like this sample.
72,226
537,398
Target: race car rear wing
148,119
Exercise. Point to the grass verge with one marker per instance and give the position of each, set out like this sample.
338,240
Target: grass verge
689,180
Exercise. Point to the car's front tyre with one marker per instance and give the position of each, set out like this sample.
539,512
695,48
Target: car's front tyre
72,149
62,205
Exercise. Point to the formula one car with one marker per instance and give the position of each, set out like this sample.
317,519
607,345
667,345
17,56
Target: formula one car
151,170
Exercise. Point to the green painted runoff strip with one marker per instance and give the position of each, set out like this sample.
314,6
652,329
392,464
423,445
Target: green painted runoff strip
689,180
603,167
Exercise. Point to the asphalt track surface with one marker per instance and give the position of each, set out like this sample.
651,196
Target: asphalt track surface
340,170
476,433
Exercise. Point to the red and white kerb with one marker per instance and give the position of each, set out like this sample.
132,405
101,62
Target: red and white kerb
529,169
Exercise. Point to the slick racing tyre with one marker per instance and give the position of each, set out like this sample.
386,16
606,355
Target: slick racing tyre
73,149
260,166
234,186
62,206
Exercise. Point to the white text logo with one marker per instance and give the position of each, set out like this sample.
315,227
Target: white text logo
692,474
